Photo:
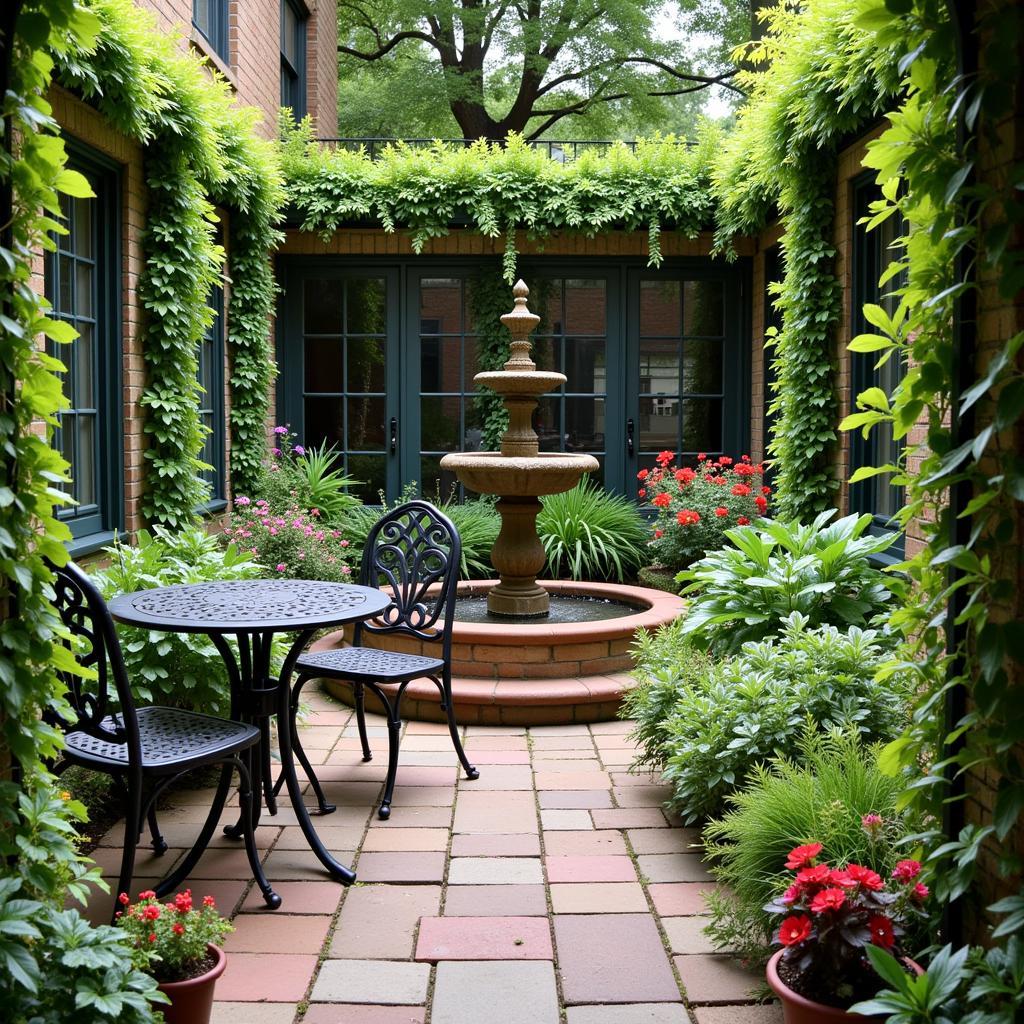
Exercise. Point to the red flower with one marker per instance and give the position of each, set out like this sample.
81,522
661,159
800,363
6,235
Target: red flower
662,500
685,475
687,517
740,490
150,913
906,870
665,458
744,458
795,929
658,534
792,894
721,511
814,876
866,878
178,928
209,901
920,891
828,899
761,502
641,493
152,936
183,901
743,521
802,856
882,933
843,879
147,894
766,491
123,899
642,475
701,456
724,460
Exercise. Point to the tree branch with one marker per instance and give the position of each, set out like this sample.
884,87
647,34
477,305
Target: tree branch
386,48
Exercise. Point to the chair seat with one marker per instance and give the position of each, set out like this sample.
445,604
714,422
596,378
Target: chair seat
171,740
368,663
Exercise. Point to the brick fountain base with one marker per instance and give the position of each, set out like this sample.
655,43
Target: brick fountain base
541,673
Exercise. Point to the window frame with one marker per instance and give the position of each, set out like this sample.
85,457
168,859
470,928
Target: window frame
296,74
216,478
218,36
94,529
867,263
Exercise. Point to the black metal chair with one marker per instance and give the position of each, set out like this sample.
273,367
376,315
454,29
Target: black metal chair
144,749
413,551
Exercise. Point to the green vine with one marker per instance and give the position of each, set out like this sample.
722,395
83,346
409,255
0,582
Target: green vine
488,298
498,190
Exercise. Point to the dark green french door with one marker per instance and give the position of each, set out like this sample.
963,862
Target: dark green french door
379,359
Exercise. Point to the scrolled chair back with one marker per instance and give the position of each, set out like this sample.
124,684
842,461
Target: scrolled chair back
414,553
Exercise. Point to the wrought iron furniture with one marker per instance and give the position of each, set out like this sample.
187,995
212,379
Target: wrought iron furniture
144,749
413,552
252,611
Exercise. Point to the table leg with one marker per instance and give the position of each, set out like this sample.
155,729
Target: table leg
284,738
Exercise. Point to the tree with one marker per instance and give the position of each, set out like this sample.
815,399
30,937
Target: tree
501,66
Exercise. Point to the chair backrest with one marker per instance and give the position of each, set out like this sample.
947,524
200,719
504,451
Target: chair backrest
84,612
414,552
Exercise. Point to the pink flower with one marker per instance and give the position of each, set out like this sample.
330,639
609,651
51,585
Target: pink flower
344,544
299,450
243,501
871,823
906,870
275,451
273,531
280,430
281,567
920,891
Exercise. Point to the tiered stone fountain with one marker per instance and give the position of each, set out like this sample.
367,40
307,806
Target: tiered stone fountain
520,473
536,654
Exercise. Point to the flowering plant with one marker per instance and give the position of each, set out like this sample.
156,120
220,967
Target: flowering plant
696,506
293,542
170,939
833,915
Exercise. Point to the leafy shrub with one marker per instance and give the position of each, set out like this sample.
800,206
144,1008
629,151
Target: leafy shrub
696,507
824,793
589,533
293,476
664,660
744,591
758,704
291,542
178,669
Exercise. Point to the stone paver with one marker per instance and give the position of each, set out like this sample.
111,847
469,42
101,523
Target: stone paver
472,891
496,992
484,938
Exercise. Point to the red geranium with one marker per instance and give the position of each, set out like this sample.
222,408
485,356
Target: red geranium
662,500
721,511
882,933
828,899
795,929
906,870
802,856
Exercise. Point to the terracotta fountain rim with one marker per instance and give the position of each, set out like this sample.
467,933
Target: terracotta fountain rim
654,608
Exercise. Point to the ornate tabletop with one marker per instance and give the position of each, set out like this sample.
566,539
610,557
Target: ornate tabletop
247,606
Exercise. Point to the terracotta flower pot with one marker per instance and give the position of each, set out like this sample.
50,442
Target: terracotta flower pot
192,999
798,1009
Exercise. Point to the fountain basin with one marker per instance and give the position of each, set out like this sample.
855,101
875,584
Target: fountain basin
520,383
533,673
528,477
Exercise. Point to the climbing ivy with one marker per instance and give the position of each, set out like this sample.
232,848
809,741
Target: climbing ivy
488,302
497,189
198,146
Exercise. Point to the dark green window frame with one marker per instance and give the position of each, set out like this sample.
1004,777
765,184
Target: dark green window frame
93,378
210,368
294,22
870,258
210,20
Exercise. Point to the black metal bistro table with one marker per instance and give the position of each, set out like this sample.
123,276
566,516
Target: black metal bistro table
252,611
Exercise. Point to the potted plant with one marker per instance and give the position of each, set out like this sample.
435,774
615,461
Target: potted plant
178,943
831,917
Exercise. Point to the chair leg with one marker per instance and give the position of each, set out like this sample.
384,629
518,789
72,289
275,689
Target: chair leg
247,799
445,686
132,826
358,695
158,843
268,775
324,806
394,713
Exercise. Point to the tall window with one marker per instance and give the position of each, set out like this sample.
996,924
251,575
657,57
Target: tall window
211,401
293,57
210,17
82,283
872,253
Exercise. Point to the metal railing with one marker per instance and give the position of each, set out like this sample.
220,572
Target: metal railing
562,151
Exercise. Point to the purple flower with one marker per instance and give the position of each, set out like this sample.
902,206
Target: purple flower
281,567
280,430
275,451
299,450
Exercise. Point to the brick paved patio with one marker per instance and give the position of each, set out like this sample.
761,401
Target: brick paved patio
552,889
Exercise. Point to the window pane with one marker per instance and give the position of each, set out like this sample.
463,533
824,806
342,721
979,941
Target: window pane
440,364
547,422
659,366
702,366
323,297
441,305
84,354
201,15
584,424
365,364
659,424
547,354
585,364
85,467
324,422
439,424
323,365
660,308
471,356
703,307
83,224
366,424
585,303
365,309
702,424
546,301
289,23
369,470
85,274
65,271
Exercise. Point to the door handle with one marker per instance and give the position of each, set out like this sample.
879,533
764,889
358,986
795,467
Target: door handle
629,437
393,444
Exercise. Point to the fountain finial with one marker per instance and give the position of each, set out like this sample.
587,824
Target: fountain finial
520,323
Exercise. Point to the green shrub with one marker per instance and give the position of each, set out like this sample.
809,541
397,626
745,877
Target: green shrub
743,592
589,533
822,796
664,660
178,669
758,704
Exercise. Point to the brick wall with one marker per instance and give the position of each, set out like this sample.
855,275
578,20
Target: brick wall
322,49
